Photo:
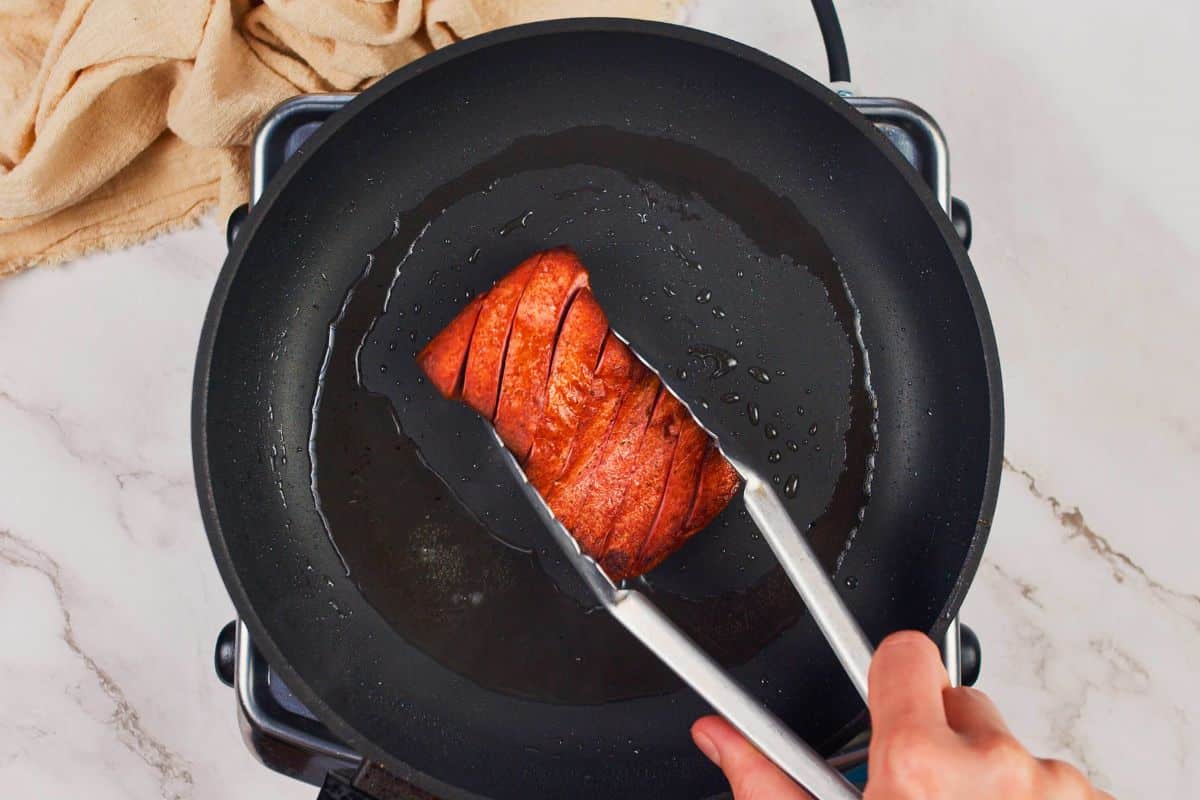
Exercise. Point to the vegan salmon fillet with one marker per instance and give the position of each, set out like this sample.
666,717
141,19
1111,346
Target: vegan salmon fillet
618,459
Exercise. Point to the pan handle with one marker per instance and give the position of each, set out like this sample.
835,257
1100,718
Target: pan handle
338,788
234,223
370,782
960,215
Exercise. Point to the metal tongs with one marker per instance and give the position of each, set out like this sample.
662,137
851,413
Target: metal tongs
662,637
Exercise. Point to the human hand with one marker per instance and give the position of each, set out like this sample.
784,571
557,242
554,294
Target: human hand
928,741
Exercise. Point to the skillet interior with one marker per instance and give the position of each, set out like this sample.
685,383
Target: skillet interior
922,320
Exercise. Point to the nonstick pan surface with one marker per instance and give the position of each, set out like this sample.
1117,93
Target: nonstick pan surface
728,208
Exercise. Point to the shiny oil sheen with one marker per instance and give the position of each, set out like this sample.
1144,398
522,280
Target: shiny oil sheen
427,520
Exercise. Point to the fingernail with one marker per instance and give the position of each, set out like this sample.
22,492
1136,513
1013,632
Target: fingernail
708,747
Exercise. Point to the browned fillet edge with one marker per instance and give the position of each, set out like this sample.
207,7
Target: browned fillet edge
710,451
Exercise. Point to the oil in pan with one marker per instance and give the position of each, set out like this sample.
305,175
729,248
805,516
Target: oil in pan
710,275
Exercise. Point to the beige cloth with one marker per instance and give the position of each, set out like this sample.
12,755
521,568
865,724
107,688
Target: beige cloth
120,119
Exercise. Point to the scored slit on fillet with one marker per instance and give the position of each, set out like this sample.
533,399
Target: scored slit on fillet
609,478
508,340
444,359
677,500
717,484
485,361
600,353
578,352
461,372
614,378
562,322
528,357
647,482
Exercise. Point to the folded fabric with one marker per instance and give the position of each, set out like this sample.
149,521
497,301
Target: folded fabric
125,118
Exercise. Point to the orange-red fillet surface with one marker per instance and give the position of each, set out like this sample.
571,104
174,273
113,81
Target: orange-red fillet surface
443,358
619,372
618,459
609,480
481,382
718,484
664,537
647,482
555,280
575,358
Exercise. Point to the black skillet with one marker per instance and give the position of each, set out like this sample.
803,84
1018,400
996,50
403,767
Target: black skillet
724,203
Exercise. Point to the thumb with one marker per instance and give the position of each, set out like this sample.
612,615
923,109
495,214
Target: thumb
751,775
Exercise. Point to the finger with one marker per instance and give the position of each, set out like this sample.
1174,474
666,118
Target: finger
972,713
751,775
1061,780
905,684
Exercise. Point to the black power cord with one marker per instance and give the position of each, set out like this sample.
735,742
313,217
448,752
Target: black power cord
835,44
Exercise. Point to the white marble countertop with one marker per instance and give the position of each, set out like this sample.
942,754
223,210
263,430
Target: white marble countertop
1073,140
